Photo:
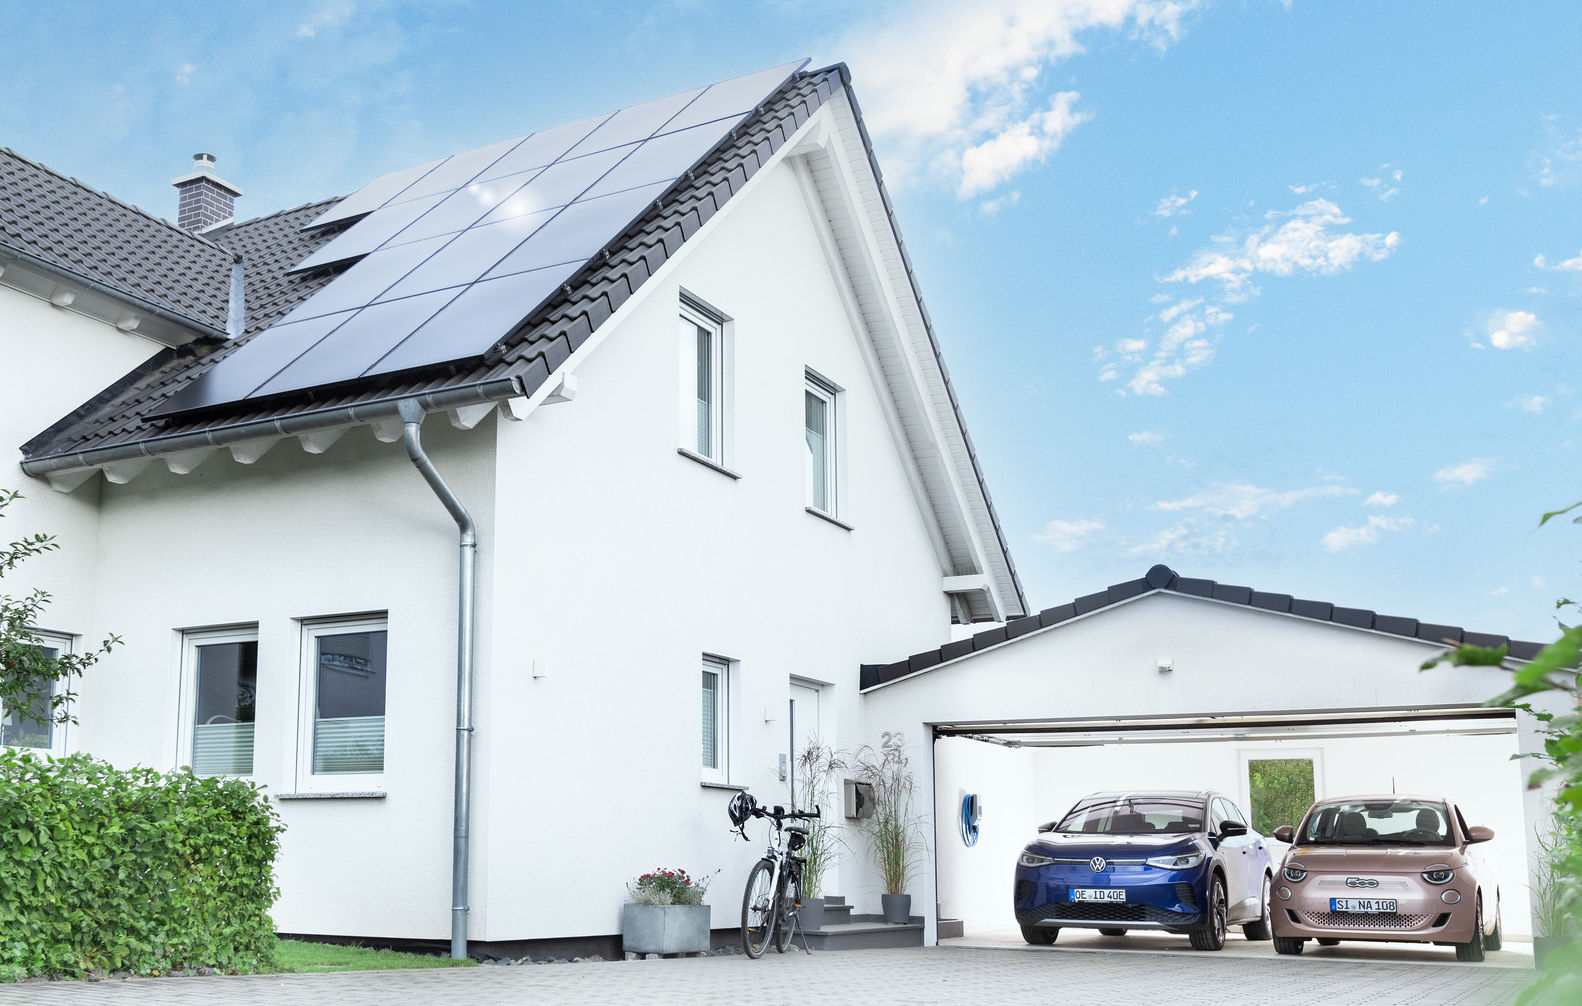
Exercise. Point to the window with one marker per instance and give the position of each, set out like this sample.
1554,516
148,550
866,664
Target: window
343,715
820,437
219,687
36,730
716,719
703,342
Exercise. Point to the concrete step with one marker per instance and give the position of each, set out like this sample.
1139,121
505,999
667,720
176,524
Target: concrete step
950,929
866,933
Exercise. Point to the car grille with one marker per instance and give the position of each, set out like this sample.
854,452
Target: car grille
1348,920
1085,912
1024,890
1186,895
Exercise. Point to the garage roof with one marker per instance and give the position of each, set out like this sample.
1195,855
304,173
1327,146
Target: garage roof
1163,579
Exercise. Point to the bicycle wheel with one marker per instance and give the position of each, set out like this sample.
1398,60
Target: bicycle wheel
758,909
790,909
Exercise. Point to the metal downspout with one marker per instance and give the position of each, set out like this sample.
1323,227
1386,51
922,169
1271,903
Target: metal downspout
412,426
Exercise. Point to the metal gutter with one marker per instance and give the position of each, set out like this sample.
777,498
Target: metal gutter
148,307
285,426
412,436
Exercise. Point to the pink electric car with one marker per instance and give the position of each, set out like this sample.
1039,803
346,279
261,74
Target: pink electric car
1389,869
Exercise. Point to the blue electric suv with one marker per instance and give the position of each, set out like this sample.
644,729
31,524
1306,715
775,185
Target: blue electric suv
1181,862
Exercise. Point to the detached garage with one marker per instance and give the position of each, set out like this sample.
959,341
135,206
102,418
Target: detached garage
1167,682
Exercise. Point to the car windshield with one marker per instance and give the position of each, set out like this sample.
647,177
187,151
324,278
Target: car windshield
1377,822
1133,815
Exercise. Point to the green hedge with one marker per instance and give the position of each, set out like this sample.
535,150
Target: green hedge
109,870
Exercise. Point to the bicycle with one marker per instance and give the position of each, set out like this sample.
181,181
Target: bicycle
772,899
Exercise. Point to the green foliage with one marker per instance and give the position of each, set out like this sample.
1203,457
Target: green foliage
27,676
103,869
895,832
668,887
1282,790
302,957
816,767
1557,896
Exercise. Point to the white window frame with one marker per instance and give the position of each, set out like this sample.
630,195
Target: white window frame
697,314
821,387
340,782
723,668
62,644
190,641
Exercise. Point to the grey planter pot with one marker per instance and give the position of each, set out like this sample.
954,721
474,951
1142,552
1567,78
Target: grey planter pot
811,915
1543,946
664,929
897,908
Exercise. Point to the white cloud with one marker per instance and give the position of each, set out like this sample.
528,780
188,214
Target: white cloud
1499,591
1303,243
1019,145
1185,537
961,94
992,207
185,73
1567,265
1131,350
1381,186
1382,499
1561,162
1068,535
331,15
1302,190
1242,501
1531,403
1512,329
1364,534
1146,438
1175,204
1465,473
1169,314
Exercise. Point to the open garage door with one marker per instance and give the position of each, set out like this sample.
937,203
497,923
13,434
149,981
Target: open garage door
1026,772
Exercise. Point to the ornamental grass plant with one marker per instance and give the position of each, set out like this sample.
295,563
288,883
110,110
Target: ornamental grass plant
817,765
895,831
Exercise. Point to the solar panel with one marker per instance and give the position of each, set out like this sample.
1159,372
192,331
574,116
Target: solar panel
454,254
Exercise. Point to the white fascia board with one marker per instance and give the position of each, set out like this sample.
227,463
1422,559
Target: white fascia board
67,291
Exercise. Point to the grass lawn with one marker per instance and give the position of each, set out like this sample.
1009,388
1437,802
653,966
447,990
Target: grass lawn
300,957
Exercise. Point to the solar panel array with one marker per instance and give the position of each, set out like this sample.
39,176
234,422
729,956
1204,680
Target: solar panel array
450,256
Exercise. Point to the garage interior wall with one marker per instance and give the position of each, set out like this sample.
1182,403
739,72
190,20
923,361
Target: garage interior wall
1020,788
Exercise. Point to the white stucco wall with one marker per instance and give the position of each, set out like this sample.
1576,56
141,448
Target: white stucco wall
1227,658
630,561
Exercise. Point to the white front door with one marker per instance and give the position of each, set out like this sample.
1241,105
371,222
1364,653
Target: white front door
804,733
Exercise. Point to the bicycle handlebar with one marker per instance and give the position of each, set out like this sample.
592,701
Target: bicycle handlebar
781,814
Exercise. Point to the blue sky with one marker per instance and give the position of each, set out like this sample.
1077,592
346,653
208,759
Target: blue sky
1284,295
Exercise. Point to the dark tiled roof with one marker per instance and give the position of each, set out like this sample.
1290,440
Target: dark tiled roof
65,224
1163,578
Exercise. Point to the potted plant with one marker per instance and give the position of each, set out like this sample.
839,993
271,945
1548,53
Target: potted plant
1553,893
665,914
895,832
816,767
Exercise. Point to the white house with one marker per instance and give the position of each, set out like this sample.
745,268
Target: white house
685,444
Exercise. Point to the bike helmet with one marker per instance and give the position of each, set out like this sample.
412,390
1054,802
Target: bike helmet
741,808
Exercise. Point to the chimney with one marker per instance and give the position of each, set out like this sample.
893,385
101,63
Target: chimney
207,200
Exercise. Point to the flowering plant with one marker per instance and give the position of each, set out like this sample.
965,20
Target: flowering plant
665,886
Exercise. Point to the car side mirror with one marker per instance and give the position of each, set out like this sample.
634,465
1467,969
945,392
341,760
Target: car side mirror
1478,833
1047,826
1230,829
1284,833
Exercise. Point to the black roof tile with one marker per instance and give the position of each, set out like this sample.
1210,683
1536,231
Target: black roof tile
1163,578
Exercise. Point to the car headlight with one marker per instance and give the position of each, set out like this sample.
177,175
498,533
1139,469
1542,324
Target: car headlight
1032,860
1179,861
1439,873
1295,873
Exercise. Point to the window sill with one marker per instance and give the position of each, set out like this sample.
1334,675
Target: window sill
723,785
824,516
351,795
707,462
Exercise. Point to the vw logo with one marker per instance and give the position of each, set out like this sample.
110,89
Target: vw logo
1361,882
1097,864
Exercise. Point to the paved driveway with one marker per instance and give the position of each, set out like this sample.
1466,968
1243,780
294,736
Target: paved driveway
946,974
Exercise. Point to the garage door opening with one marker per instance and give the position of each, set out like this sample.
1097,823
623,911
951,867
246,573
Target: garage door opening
1025,773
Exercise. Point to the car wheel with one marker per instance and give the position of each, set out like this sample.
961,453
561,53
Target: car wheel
1112,932
1328,941
1496,939
1288,945
1473,951
1212,936
1040,936
1262,929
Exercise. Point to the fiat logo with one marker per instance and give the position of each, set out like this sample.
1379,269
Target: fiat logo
1361,882
1096,864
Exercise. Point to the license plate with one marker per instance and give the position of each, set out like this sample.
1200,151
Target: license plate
1098,894
1365,906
